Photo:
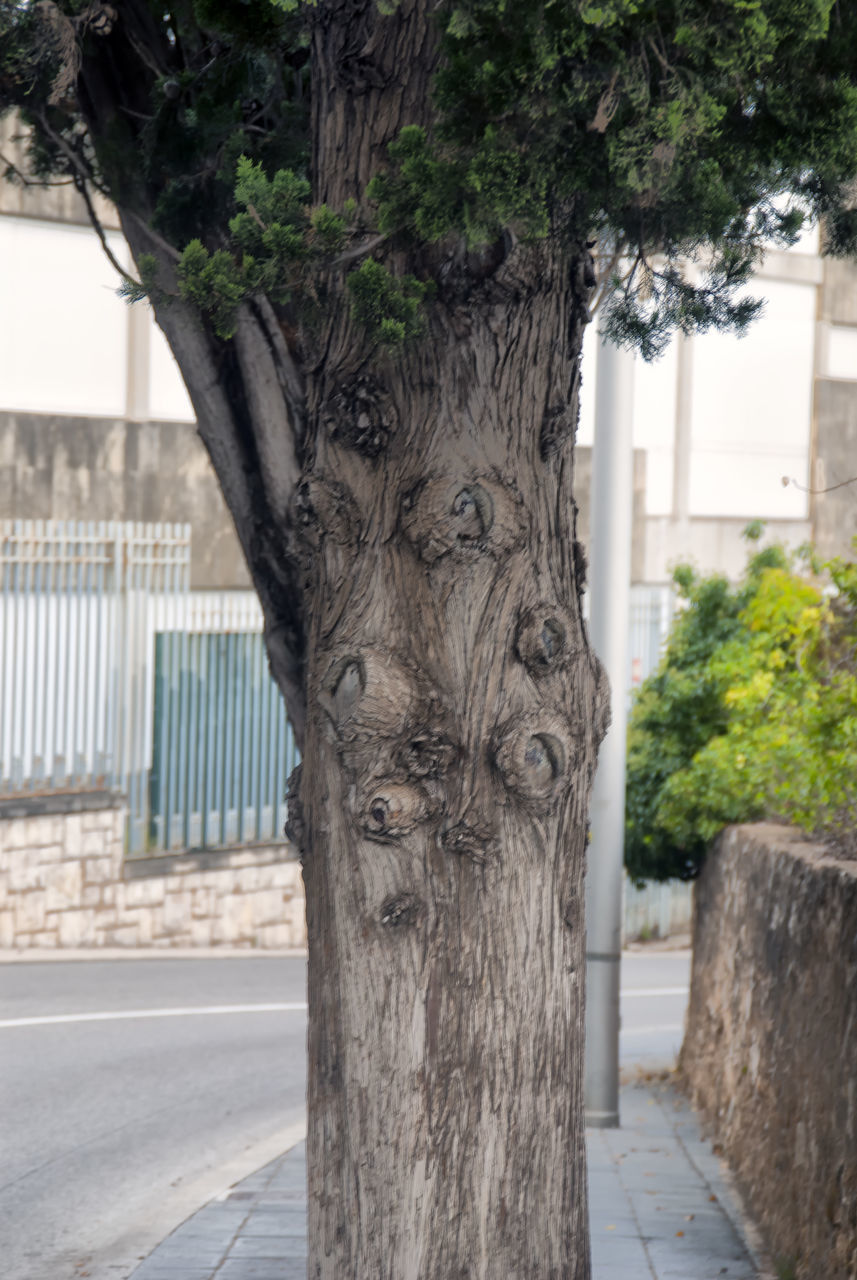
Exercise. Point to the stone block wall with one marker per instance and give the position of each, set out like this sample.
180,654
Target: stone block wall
64,882
770,1050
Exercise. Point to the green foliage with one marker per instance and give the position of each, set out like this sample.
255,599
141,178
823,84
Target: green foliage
214,283
272,237
276,241
388,305
752,713
670,133
193,88
690,132
147,286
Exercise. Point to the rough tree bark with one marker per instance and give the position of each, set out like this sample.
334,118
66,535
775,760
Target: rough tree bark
409,523
454,709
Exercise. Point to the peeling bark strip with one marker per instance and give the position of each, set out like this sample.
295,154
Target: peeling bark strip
453,713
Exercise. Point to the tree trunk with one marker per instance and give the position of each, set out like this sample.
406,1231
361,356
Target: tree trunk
454,709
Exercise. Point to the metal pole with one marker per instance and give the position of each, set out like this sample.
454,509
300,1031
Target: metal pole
609,592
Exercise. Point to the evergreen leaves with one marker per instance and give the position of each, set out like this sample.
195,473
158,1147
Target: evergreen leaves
277,241
659,130
387,305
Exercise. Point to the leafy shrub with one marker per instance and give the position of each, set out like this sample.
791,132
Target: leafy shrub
751,714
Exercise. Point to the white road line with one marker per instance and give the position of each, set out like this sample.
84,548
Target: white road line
627,992
647,1031
116,1015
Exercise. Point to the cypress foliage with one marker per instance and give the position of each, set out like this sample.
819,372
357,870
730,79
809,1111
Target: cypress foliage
665,132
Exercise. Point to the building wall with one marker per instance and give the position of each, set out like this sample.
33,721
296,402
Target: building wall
59,202
728,429
54,466
727,425
834,475
82,468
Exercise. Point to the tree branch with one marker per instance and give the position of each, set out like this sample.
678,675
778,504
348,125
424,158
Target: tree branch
274,430
80,187
250,484
787,480
606,272
69,152
12,168
288,372
156,240
359,250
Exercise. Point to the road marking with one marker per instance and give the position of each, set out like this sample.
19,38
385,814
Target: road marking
647,1031
627,992
117,1015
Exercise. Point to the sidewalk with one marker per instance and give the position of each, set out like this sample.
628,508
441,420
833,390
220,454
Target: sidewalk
659,1209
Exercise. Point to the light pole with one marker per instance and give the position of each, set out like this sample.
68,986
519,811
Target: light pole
609,617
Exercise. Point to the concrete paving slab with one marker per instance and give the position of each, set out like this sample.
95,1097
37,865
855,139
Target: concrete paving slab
660,1208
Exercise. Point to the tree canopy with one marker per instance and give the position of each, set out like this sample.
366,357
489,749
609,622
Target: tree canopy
665,133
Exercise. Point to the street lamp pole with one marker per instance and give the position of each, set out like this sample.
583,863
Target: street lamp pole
609,617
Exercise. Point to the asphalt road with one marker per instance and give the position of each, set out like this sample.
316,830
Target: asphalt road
115,1128
654,990
113,1131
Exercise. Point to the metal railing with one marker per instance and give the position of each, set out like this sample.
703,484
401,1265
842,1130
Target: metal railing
78,600
223,747
113,674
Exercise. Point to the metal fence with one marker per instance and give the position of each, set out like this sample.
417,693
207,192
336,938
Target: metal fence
657,910
114,674
223,747
653,608
85,610
78,601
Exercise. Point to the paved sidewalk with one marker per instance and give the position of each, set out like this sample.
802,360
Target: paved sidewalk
658,1205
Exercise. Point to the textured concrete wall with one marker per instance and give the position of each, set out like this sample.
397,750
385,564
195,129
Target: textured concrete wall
770,1052
55,467
582,491
64,883
839,291
835,513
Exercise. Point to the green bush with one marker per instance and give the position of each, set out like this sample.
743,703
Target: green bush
751,714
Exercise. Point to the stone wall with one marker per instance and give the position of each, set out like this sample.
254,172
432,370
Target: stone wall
770,1051
64,882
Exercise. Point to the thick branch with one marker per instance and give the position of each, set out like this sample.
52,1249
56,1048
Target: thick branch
244,424
276,416
288,373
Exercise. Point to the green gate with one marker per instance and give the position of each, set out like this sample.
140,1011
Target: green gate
222,747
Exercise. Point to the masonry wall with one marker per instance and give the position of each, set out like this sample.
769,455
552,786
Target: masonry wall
64,882
770,1051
